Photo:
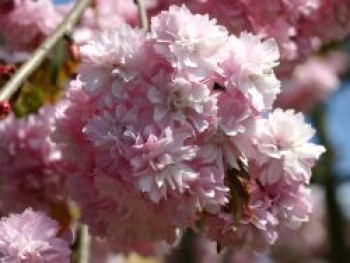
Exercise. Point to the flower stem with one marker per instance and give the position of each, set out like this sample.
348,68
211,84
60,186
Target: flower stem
142,14
36,59
84,245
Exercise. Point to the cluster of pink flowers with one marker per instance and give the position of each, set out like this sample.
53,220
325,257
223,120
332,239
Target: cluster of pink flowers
31,237
31,166
26,23
280,158
299,27
312,82
163,128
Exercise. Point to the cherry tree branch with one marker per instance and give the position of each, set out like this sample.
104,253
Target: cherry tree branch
37,58
142,14
84,245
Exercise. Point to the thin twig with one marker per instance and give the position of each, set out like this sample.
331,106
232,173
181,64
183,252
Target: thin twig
84,245
29,67
142,14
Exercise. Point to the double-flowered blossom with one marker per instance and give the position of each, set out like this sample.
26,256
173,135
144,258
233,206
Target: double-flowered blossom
280,158
31,237
281,147
32,170
192,43
156,123
249,68
27,23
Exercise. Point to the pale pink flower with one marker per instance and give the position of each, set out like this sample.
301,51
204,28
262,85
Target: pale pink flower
161,163
249,68
31,237
282,149
255,232
218,144
113,56
210,189
182,101
295,24
70,117
192,43
291,203
28,23
31,165
312,236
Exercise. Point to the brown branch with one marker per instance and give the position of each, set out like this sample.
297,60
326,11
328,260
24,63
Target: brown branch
37,58
142,14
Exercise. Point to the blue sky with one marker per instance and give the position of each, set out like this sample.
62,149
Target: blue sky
61,1
339,128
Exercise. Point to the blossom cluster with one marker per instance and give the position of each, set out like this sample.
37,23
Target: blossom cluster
172,127
26,23
31,237
32,170
299,27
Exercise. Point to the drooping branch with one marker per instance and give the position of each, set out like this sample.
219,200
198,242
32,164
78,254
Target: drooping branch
142,14
36,59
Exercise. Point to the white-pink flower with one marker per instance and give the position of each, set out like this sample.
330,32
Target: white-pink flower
27,24
161,163
218,144
282,148
112,57
32,170
182,101
193,44
31,237
249,68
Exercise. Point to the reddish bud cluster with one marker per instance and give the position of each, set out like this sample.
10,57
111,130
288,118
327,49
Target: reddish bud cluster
6,70
5,108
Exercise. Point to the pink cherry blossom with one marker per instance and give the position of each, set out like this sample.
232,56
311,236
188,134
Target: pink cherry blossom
155,122
28,23
299,27
281,147
31,165
255,231
161,163
249,68
182,101
113,56
31,237
192,43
